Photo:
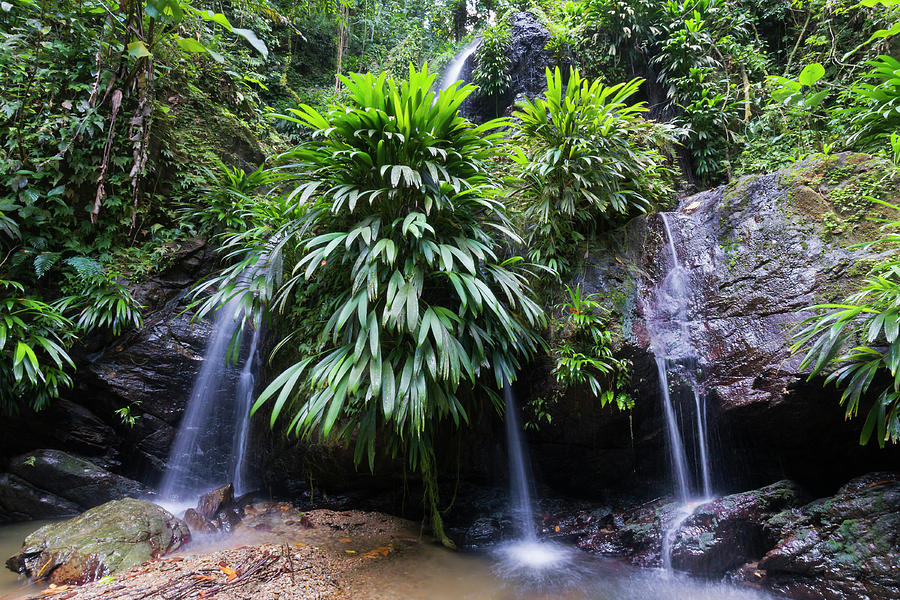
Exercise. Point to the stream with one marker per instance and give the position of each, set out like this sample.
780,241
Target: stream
13,585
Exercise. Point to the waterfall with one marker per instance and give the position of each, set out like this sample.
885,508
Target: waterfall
519,479
525,556
668,325
454,70
211,444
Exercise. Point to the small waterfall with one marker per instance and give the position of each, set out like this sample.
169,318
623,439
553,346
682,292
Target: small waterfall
519,479
454,69
668,325
526,556
211,444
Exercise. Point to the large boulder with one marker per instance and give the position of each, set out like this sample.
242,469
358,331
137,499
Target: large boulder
728,532
101,541
74,479
843,547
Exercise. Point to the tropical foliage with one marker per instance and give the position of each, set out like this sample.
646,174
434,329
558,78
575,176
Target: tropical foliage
397,231
593,163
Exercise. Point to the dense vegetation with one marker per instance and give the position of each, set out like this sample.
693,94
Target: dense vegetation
398,225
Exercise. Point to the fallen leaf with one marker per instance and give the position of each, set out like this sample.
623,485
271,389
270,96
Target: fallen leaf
229,572
199,577
350,551
556,529
346,540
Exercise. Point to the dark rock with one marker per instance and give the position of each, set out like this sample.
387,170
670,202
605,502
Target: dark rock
215,501
843,547
483,532
72,478
197,523
21,501
101,541
528,61
728,532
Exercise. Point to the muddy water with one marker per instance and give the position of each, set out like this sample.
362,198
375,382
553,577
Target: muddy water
11,538
432,573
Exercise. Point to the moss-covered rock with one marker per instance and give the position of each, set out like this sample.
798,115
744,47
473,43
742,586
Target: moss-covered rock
103,540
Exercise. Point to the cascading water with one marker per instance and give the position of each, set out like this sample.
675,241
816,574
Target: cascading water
526,555
454,70
668,325
211,444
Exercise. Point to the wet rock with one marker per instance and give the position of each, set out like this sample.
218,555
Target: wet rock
843,547
728,532
21,501
77,480
636,533
483,533
197,523
103,540
528,60
215,501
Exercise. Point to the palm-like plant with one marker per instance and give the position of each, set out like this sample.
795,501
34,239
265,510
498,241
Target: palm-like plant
394,236
34,343
860,340
594,162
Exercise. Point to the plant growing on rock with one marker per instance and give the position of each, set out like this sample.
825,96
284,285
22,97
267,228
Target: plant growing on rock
409,313
858,341
491,73
594,162
586,357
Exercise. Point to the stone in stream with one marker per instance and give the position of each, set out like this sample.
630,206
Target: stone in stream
214,501
730,531
103,540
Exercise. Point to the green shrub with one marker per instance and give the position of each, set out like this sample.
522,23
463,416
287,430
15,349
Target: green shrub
593,163
491,73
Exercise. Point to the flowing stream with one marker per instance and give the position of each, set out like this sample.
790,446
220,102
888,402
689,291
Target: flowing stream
210,448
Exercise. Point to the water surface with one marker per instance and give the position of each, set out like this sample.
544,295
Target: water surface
13,585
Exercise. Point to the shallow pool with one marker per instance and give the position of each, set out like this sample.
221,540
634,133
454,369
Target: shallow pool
433,573
13,585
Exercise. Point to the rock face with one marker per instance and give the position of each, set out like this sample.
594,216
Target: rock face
149,371
527,63
103,540
757,253
73,478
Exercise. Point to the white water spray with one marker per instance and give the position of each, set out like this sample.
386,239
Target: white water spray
454,70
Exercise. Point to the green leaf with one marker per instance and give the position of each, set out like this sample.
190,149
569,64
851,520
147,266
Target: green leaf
254,41
191,45
138,49
811,74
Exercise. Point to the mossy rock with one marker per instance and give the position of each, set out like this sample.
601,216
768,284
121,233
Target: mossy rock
102,541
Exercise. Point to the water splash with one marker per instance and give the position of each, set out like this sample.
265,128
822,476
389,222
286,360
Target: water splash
211,443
